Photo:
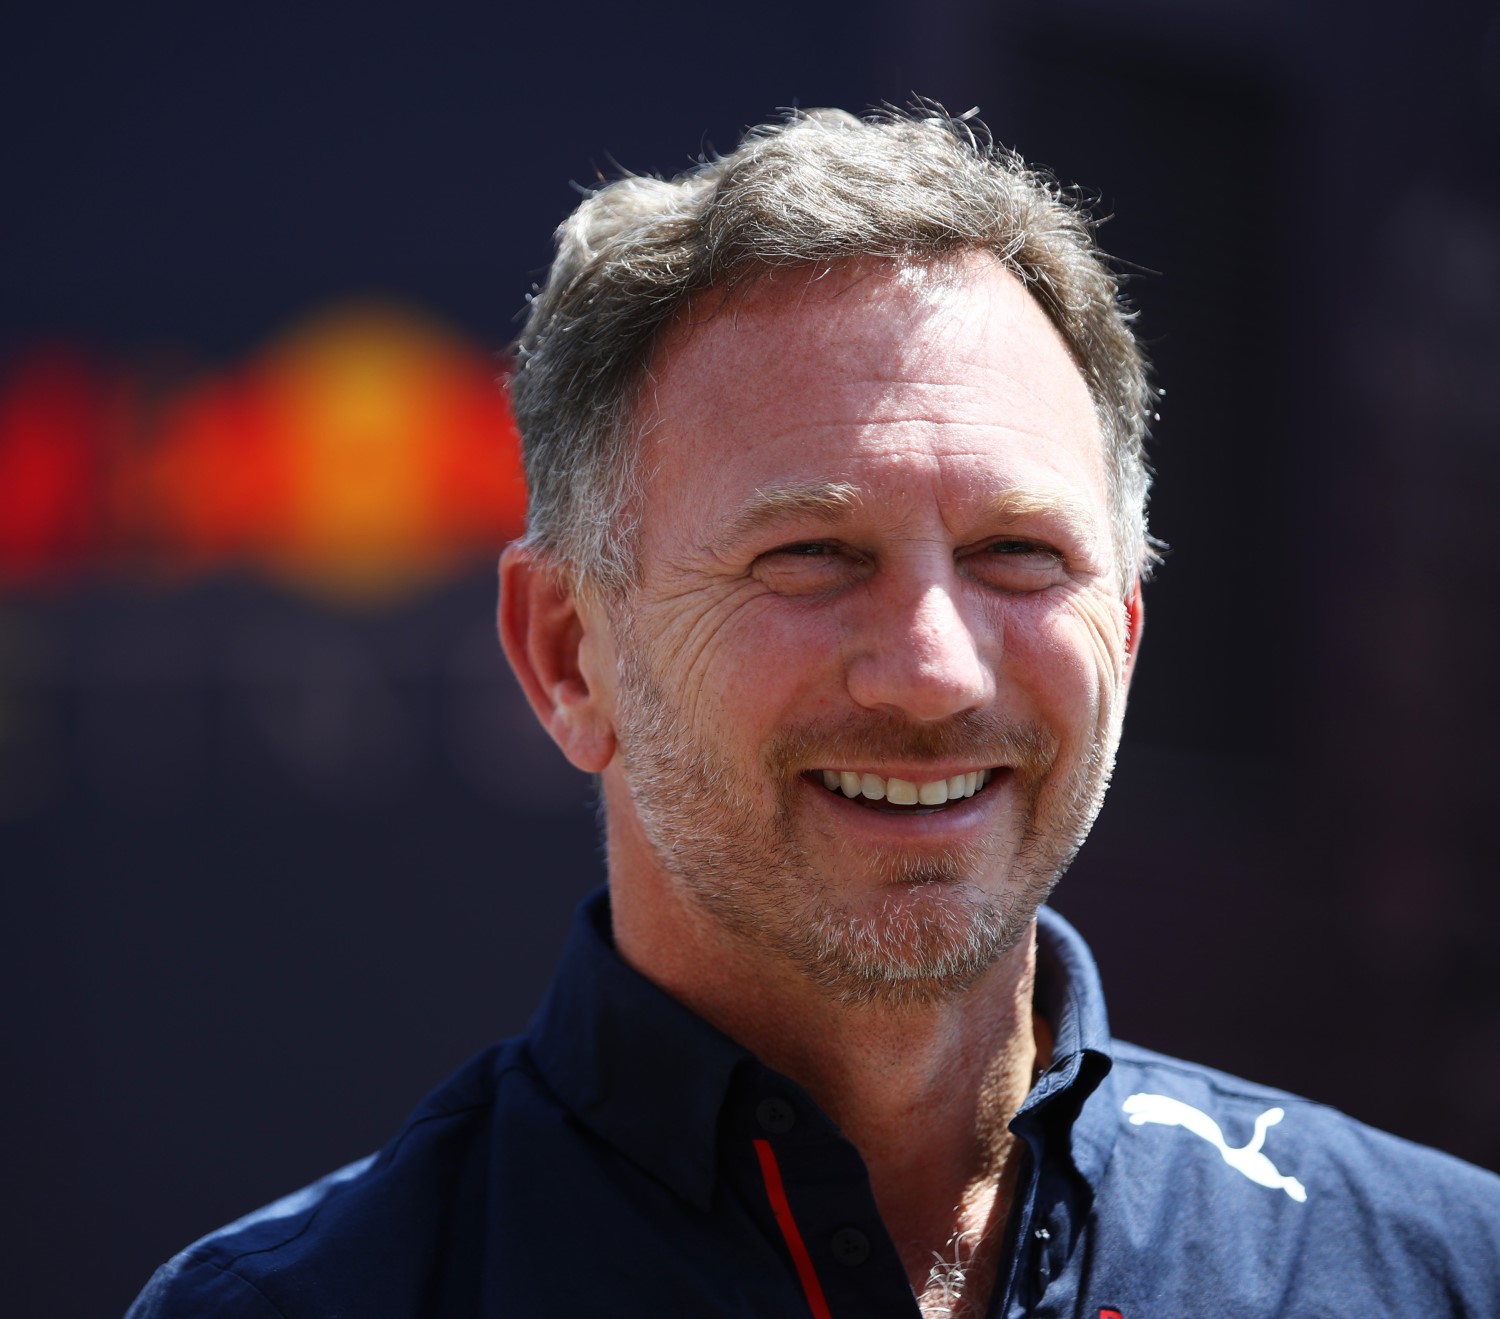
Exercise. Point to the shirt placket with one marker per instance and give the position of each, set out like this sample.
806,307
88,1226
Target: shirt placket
809,1190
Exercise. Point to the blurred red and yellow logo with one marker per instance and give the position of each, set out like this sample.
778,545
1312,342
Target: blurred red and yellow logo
362,455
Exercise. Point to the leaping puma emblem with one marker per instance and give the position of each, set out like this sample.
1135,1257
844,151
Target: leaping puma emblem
1247,1159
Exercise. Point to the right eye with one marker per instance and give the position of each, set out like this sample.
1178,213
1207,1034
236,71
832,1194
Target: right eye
807,567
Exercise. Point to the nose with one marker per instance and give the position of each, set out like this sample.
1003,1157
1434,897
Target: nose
920,657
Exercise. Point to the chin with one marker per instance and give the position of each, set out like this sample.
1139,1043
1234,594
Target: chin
927,938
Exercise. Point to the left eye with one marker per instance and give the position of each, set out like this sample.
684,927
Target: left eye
806,550
1018,565
1024,549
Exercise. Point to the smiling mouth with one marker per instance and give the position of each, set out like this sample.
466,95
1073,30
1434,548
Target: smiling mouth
903,794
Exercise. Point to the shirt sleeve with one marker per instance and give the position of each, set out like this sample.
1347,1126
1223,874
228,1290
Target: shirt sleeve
194,1287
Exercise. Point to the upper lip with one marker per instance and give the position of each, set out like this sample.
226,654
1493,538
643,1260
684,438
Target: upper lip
925,774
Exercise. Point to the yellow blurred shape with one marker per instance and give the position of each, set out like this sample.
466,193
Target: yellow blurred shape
357,397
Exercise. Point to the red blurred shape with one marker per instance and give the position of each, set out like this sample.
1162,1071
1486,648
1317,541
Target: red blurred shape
361,455
56,416
219,477
477,469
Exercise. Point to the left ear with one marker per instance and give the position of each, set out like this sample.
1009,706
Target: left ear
1135,623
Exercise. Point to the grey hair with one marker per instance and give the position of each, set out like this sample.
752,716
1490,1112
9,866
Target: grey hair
818,188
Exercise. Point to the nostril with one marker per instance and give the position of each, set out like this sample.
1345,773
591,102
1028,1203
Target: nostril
924,688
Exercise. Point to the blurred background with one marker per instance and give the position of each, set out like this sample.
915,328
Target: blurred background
280,847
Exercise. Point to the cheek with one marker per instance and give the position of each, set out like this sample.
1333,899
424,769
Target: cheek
1073,658
780,663
735,661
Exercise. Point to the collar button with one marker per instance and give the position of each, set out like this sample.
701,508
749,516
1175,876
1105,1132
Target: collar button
776,1116
850,1246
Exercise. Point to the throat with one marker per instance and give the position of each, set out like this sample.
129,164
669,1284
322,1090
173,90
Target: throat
953,1259
956,1281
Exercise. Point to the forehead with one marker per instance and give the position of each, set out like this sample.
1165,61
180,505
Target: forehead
866,369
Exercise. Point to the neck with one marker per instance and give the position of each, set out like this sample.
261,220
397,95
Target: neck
924,1090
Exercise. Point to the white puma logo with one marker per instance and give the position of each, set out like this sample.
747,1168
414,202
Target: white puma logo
1247,1159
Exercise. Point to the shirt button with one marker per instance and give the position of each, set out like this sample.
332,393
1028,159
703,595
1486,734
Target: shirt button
776,1116
850,1246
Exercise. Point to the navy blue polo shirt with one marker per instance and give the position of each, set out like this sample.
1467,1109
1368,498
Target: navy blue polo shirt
624,1158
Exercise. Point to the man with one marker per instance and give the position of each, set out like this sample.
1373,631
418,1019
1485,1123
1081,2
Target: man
833,578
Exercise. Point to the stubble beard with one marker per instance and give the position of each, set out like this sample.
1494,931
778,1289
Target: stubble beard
936,929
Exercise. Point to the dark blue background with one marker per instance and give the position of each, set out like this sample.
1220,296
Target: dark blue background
270,869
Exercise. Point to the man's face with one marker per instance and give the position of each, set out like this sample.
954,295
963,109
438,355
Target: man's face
875,558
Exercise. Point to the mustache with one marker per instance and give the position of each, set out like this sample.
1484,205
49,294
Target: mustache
981,738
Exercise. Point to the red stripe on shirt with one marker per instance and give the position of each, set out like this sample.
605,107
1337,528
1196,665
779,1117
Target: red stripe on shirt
770,1171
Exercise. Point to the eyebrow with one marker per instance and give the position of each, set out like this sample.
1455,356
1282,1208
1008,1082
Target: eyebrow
838,501
832,501
1071,512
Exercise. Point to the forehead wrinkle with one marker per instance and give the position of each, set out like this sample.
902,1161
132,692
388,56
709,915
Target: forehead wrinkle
832,501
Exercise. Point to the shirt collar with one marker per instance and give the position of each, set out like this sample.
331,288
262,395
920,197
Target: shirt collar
643,1071
1070,997
651,1077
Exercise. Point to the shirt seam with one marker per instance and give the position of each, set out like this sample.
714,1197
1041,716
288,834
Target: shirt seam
1221,1083
384,1157
245,1282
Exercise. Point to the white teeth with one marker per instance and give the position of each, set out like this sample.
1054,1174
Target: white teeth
900,793
903,792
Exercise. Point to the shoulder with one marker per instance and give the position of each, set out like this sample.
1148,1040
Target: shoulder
1246,1173
367,1239
211,1276
1339,1153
